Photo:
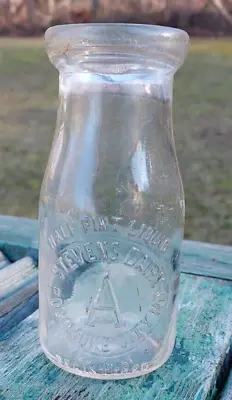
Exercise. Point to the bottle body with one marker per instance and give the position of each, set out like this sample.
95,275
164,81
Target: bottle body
111,223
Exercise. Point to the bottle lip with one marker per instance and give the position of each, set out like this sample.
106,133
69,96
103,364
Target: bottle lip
168,43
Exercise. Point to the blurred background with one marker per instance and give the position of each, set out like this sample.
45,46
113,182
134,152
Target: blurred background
202,101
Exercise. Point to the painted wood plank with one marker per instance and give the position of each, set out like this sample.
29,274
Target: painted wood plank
17,281
18,314
4,262
207,259
204,334
18,284
19,230
227,393
224,373
19,237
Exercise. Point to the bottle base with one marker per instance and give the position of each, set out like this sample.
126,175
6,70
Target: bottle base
144,369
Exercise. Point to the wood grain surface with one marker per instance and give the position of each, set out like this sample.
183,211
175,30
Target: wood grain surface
204,334
197,369
19,238
227,393
18,291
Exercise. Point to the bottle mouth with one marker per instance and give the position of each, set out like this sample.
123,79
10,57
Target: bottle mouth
155,44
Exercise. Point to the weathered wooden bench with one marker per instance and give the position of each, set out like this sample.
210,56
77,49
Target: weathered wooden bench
199,368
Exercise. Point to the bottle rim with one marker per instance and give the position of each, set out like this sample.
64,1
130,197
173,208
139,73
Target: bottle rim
151,41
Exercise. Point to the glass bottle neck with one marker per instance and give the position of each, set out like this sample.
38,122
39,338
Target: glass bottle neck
151,84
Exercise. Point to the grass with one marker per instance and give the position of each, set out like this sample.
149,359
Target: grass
202,122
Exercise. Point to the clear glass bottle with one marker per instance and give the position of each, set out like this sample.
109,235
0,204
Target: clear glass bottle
112,201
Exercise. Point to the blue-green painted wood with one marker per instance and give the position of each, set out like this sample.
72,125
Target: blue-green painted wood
18,314
227,393
18,285
4,262
207,259
14,279
19,237
224,373
204,334
23,231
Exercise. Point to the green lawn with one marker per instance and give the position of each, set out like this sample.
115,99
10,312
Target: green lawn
202,121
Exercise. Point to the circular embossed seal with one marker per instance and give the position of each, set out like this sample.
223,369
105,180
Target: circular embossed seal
110,294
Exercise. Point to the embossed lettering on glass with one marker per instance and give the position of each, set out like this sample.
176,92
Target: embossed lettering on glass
112,201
